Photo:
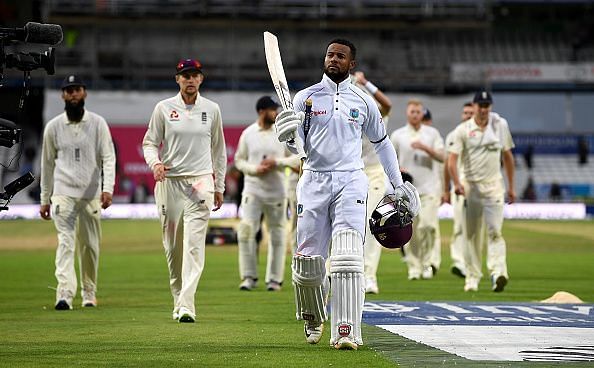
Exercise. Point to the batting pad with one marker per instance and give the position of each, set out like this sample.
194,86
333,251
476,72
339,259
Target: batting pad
348,289
308,280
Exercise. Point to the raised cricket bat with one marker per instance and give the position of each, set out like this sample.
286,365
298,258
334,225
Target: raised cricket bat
277,74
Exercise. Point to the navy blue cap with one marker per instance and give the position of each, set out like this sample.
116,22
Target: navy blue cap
426,114
72,80
483,97
266,102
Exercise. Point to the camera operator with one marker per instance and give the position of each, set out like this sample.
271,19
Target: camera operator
77,153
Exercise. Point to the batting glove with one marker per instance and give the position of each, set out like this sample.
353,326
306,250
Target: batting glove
409,193
287,123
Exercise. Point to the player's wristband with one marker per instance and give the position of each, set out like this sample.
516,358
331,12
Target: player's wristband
371,87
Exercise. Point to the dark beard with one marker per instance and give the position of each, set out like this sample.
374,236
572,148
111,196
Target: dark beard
75,111
336,77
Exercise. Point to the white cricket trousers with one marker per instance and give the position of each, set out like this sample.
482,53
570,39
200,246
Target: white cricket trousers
329,202
420,248
78,223
184,205
291,225
275,215
484,203
458,239
377,190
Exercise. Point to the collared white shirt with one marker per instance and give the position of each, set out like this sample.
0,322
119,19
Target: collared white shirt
342,113
480,150
192,139
74,157
256,144
424,169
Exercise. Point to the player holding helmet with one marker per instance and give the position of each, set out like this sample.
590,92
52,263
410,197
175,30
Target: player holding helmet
331,195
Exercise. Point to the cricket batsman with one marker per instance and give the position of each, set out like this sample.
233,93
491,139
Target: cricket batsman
331,195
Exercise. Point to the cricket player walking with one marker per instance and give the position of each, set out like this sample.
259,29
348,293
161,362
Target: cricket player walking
458,240
420,149
190,129
77,179
482,142
263,159
331,195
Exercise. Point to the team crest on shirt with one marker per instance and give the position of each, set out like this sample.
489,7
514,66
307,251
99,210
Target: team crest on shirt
354,114
173,116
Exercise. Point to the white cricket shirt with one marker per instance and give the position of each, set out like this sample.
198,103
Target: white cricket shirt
342,113
192,139
74,157
480,150
423,168
256,144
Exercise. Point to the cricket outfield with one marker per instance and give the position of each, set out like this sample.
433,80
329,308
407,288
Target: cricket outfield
132,325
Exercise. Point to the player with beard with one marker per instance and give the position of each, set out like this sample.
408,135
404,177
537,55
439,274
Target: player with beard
185,148
331,195
77,180
263,159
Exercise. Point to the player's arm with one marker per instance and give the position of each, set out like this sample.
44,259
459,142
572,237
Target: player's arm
383,100
219,158
48,164
108,160
508,160
151,142
445,197
241,158
436,151
510,168
454,150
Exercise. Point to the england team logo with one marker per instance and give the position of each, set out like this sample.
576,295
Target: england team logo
354,113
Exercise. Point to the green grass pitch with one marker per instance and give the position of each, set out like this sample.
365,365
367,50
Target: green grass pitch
132,325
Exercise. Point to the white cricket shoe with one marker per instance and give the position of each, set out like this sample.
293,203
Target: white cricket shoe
89,299
273,286
64,300
345,343
471,284
185,316
313,332
248,284
175,314
371,286
427,273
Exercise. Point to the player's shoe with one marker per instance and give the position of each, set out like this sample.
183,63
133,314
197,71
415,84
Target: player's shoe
247,284
457,271
273,286
427,273
89,299
185,316
499,283
371,286
345,343
175,314
413,276
64,300
471,284
313,332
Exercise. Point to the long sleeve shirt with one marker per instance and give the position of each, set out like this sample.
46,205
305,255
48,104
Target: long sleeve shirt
78,158
341,114
256,144
192,139
424,169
